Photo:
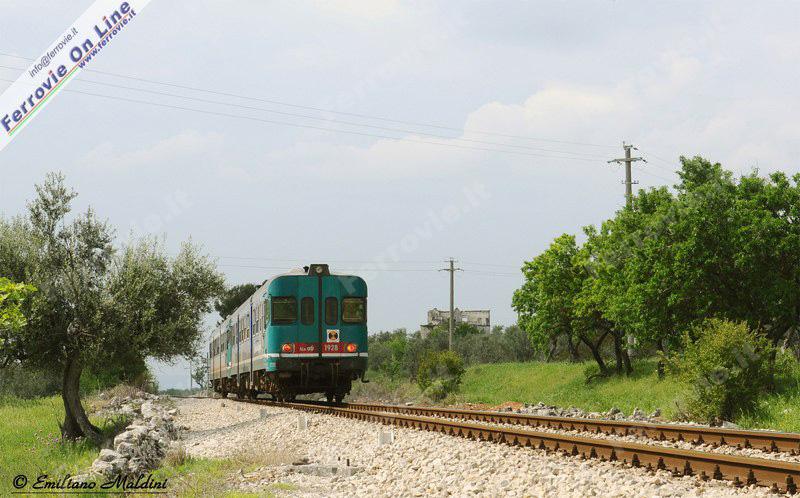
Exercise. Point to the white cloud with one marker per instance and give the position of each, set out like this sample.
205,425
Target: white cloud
186,146
366,9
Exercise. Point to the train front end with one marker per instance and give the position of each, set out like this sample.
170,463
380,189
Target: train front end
316,333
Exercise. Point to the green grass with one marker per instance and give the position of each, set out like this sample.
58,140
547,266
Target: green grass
564,384
200,477
30,444
30,441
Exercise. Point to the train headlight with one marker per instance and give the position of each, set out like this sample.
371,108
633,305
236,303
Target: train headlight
286,348
351,348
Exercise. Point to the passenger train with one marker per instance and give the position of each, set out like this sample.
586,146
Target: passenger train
301,332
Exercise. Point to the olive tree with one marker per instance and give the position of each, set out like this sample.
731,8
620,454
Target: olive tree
96,303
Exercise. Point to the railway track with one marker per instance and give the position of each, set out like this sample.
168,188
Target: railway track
767,441
778,475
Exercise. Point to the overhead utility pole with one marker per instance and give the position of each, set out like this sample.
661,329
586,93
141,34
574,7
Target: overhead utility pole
452,271
628,160
629,182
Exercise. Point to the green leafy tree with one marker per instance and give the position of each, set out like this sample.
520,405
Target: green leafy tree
547,304
94,303
232,298
12,297
591,316
200,371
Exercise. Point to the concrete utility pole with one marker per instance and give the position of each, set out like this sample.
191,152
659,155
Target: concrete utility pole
628,160
452,271
629,182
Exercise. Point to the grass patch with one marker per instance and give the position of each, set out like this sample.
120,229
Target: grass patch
564,384
200,477
384,388
30,444
30,441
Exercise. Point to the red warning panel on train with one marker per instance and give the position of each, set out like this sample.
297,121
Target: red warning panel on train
300,347
333,347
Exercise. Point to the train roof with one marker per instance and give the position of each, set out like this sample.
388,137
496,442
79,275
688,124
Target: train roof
262,290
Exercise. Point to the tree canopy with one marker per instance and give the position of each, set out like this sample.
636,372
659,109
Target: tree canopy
232,298
715,246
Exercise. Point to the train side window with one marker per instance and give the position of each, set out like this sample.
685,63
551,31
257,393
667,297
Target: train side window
354,310
284,310
331,311
307,311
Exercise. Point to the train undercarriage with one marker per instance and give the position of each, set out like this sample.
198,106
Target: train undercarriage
296,376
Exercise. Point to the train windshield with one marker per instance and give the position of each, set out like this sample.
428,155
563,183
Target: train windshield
354,310
284,310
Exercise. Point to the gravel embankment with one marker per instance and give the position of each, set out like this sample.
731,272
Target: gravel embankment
417,463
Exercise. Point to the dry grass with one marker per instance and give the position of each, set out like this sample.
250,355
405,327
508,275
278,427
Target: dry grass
100,401
263,457
176,456
124,390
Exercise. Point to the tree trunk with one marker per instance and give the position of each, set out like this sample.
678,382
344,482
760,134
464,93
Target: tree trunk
596,355
661,366
573,349
76,423
626,359
552,351
618,353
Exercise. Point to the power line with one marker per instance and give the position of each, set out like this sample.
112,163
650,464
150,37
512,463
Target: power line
499,274
328,120
366,262
301,260
490,264
368,270
365,270
343,113
321,128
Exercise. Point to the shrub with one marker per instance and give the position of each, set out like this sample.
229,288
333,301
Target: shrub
21,382
727,368
440,373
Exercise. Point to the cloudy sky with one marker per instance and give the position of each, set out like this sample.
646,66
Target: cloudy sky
386,136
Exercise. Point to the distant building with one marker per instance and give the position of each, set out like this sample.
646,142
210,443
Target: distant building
477,318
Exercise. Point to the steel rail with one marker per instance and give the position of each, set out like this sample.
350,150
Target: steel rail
767,441
778,475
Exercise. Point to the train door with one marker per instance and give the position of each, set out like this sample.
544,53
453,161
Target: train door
330,331
308,292
228,347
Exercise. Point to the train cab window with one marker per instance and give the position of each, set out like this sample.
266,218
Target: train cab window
354,310
331,311
307,311
284,310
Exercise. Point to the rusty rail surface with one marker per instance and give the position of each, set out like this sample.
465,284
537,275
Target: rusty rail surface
778,475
